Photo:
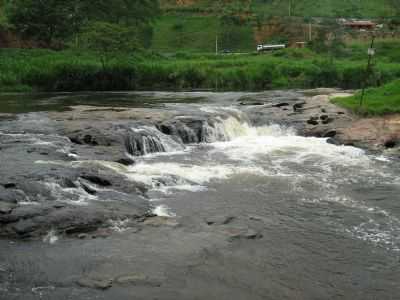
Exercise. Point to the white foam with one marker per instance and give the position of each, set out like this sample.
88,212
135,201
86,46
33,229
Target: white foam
75,196
51,237
185,174
289,147
183,187
119,225
382,158
163,211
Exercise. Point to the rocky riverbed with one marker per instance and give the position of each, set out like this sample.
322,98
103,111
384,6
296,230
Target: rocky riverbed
97,175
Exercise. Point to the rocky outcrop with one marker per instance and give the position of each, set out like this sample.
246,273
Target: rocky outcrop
53,191
376,133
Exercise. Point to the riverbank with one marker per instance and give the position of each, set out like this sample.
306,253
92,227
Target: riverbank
376,102
45,70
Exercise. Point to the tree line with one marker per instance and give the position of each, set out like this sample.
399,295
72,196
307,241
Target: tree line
58,22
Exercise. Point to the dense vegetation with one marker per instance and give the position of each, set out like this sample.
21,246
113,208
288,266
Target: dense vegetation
130,44
377,101
291,68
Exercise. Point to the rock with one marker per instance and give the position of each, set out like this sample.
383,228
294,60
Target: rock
93,136
313,121
298,106
4,116
99,284
330,134
88,189
282,104
126,161
6,207
24,227
235,233
137,280
102,233
185,129
219,220
10,185
82,236
252,103
97,180
327,121
11,195
333,141
391,143
261,219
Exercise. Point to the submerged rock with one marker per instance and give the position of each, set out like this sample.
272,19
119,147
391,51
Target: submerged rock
100,284
6,207
238,233
219,220
138,280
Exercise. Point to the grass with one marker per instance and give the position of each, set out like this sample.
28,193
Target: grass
46,70
377,101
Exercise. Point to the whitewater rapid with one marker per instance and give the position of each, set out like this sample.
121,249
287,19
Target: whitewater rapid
240,149
231,147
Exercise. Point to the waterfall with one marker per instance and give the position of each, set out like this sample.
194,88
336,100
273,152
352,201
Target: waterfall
172,135
146,140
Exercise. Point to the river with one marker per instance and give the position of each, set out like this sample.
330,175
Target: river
248,209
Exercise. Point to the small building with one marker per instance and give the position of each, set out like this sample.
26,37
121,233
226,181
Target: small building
360,25
300,45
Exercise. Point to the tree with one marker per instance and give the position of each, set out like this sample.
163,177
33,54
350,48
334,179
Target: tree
43,20
108,40
127,12
395,4
57,20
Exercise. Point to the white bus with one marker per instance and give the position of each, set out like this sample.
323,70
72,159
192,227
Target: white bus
261,48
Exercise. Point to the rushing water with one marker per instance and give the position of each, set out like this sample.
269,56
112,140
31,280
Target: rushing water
330,214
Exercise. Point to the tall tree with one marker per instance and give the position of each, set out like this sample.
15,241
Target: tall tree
44,20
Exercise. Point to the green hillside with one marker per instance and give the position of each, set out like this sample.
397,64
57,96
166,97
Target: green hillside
198,34
2,16
325,8
306,8
193,27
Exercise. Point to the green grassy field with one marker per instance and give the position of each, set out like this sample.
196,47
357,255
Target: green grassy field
174,33
377,101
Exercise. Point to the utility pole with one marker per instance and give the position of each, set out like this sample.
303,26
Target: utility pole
371,53
216,44
310,32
